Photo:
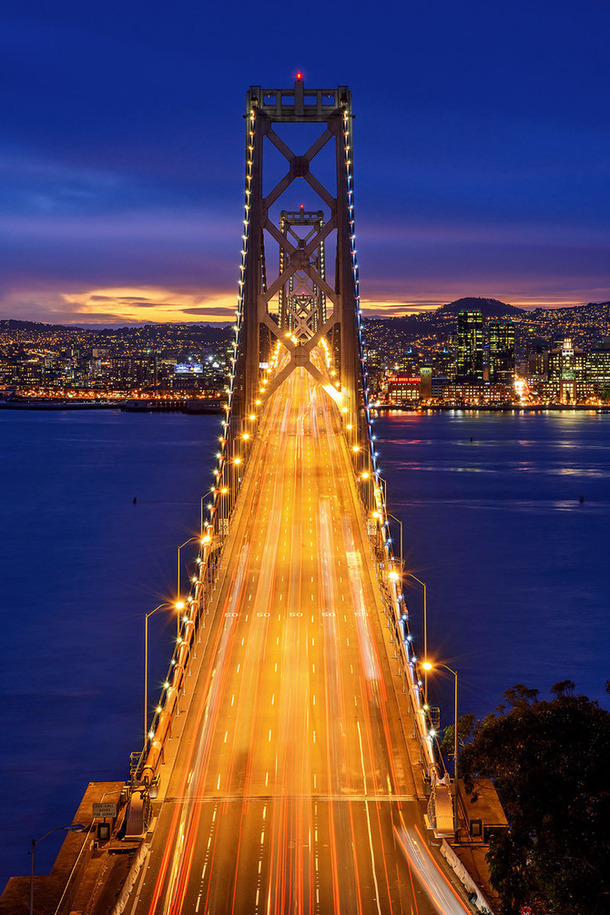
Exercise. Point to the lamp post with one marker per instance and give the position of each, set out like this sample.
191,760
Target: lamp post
201,541
428,666
208,493
423,584
78,827
237,460
399,522
224,504
178,606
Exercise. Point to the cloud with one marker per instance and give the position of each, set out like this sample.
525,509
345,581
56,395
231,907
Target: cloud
120,304
161,304
218,310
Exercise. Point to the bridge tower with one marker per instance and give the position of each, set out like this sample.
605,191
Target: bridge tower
298,222
302,304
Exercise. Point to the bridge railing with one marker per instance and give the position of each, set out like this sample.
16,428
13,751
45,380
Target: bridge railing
389,570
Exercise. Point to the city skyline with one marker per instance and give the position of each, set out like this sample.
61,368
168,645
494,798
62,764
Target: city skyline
481,168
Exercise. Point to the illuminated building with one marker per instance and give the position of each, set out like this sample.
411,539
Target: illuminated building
469,363
473,393
598,368
501,351
425,374
132,372
567,366
403,389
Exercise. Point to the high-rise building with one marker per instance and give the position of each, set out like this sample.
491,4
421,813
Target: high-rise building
567,363
501,351
598,366
568,366
469,362
538,361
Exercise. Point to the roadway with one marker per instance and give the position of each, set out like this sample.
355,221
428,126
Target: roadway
291,790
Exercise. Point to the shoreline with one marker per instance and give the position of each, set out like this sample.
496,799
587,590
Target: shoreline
188,407
490,408
198,407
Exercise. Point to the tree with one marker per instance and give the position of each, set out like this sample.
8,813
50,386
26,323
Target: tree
466,726
549,762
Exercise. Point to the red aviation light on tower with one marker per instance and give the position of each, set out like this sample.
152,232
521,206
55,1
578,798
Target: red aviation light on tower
299,75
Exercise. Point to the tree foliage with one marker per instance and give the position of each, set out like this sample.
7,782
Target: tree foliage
550,764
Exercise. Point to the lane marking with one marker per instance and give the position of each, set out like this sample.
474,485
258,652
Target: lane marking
368,820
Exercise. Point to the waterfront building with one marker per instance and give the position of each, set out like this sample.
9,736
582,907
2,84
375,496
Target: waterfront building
473,393
565,392
439,384
403,389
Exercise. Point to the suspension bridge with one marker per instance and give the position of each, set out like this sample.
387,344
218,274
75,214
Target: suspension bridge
289,765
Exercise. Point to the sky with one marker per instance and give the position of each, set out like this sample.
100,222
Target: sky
481,150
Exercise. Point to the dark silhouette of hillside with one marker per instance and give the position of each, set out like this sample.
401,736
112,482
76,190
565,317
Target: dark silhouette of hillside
490,308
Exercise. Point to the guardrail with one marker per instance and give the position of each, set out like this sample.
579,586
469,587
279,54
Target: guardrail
389,575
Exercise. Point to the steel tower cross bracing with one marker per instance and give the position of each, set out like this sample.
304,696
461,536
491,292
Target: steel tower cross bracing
257,327
302,305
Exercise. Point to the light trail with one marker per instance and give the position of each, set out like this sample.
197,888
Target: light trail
291,780
440,891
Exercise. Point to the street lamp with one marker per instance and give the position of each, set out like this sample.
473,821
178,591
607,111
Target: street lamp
390,515
428,666
423,584
208,493
178,606
202,540
78,827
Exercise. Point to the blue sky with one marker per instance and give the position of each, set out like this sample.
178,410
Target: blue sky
482,140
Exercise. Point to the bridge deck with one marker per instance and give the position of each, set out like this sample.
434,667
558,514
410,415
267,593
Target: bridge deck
291,773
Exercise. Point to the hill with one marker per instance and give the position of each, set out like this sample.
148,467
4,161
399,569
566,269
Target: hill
12,324
490,308
138,334
592,311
